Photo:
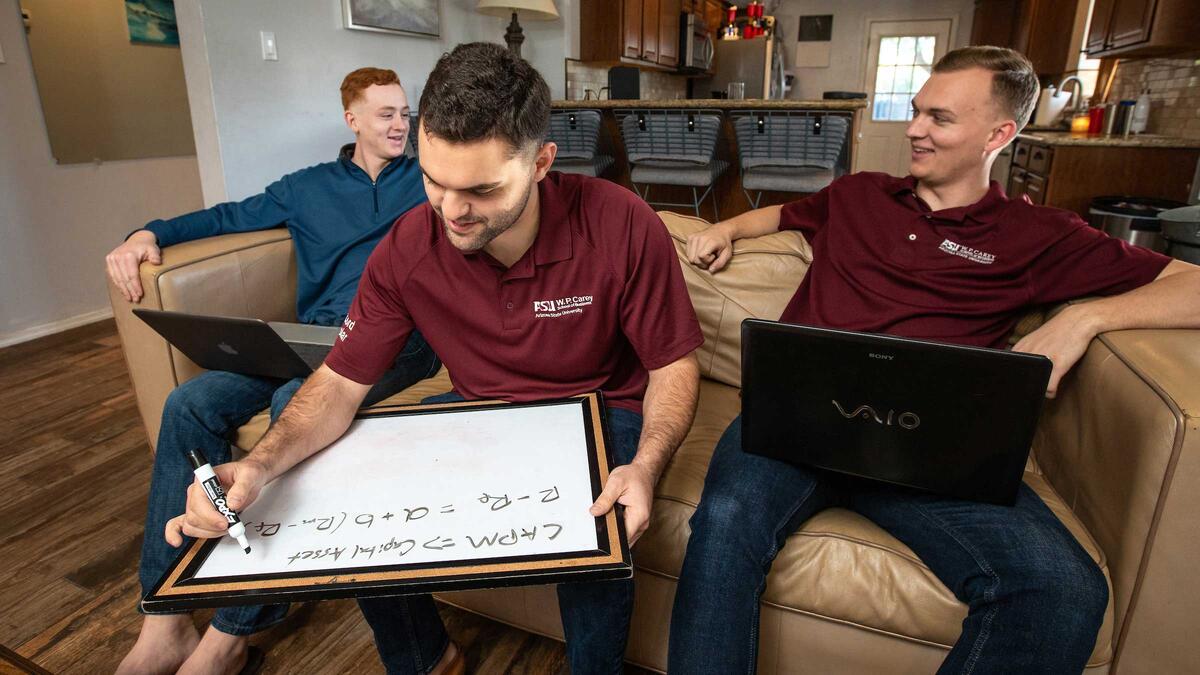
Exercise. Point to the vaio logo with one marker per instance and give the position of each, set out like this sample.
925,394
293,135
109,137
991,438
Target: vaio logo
906,420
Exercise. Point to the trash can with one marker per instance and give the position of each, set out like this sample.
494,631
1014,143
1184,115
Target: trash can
1133,219
1181,229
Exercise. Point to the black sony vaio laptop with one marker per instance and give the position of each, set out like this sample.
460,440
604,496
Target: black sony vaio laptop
949,419
246,346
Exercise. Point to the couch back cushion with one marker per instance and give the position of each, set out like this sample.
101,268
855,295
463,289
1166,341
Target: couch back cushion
757,283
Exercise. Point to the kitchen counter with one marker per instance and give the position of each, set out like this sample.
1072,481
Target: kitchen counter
715,104
1132,141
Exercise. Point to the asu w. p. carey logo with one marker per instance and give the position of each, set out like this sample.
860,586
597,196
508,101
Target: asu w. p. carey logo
974,255
550,309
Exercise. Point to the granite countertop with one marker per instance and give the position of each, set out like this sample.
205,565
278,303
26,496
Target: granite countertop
715,103
1132,141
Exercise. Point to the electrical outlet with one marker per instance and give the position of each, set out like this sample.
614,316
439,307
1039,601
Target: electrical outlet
269,51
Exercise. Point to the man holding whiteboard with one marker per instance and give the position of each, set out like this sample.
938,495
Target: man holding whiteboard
529,286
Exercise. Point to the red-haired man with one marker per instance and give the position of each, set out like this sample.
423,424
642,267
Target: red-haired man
337,212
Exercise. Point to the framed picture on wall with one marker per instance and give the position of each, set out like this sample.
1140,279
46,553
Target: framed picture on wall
400,17
152,22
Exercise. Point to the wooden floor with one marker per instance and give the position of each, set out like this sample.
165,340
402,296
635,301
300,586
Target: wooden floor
74,475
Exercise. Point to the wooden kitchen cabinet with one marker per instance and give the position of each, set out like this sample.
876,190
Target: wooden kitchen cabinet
1142,27
712,12
1033,27
1070,176
669,14
639,33
650,30
631,22
1098,30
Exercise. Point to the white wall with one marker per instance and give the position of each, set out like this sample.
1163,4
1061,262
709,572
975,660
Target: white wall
57,222
256,120
848,50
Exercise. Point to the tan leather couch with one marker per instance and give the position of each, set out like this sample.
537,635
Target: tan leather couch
1117,458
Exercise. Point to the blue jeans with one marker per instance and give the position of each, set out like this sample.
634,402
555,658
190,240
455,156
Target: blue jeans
595,615
1035,598
205,412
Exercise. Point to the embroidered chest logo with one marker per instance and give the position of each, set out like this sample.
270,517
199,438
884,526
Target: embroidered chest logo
551,309
347,326
974,255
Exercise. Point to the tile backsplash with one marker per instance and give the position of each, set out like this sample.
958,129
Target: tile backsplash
582,76
1174,93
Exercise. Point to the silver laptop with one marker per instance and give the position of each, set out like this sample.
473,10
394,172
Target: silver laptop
247,346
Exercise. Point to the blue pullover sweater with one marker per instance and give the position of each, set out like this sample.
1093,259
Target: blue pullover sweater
335,214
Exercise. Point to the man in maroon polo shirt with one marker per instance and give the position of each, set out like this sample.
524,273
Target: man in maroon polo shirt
528,285
942,255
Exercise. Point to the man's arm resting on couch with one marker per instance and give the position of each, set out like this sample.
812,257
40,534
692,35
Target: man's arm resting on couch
260,212
668,409
1172,300
712,247
317,415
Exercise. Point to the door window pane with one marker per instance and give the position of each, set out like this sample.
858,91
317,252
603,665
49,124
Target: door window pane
925,50
884,78
887,51
905,62
907,51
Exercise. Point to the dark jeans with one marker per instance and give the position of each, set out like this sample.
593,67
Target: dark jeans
1035,598
204,413
595,615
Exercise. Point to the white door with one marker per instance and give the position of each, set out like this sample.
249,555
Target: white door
900,56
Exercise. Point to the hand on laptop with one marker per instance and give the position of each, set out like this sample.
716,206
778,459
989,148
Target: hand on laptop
242,481
710,248
630,486
124,260
1063,339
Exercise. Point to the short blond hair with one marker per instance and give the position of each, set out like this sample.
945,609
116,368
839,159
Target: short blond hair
1014,84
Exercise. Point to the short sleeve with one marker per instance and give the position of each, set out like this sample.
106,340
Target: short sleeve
1085,261
656,312
807,215
378,323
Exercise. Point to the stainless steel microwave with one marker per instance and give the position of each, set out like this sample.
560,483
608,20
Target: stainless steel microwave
696,44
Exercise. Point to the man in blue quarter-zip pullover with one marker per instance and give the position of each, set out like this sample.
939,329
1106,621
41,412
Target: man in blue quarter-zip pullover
336,212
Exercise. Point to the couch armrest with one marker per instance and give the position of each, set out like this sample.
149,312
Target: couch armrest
250,275
1120,444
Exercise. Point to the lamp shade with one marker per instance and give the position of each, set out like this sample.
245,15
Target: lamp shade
538,10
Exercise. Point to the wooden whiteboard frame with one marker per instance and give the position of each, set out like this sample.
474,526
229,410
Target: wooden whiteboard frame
179,588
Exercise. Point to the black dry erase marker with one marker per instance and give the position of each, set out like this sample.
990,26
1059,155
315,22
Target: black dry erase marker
216,495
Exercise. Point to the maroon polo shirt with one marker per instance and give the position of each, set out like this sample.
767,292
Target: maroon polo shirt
595,302
883,262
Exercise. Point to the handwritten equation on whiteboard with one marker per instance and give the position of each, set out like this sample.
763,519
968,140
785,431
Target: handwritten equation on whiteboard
425,489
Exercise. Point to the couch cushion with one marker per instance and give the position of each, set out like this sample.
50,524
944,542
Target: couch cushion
839,565
759,281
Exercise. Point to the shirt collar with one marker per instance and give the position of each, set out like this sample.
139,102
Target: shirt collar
346,157
985,211
553,241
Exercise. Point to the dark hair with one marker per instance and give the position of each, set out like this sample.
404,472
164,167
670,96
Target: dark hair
357,81
482,91
1014,84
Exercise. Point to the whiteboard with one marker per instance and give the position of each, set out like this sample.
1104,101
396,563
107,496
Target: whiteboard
448,496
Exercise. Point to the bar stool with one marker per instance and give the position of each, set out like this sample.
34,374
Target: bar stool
673,147
789,150
577,134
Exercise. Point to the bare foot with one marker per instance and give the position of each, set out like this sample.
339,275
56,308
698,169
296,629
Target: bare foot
217,654
163,644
